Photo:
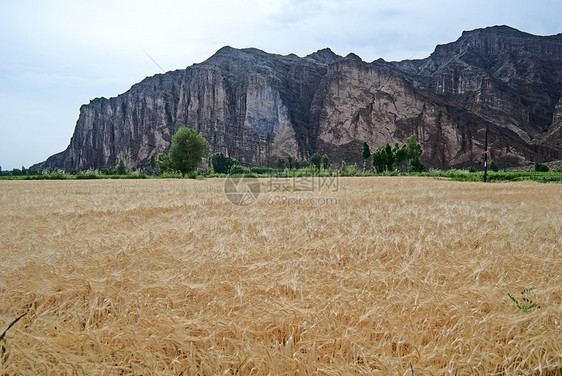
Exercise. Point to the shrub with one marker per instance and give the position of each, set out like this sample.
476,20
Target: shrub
259,170
87,175
170,175
539,167
352,170
137,175
239,170
343,168
107,171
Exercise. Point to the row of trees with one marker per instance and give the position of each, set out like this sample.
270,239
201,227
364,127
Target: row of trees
404,158
19,172
316,160
189,148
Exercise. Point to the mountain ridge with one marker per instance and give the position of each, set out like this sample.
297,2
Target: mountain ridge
255,106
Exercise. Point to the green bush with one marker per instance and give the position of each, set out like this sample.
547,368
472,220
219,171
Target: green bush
87,175
259,170
352,170
136,175
539,167
170,175
239,170
53,175
221,163
108,171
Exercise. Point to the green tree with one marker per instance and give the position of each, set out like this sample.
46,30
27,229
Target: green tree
187,150
32,171
379,161
163,163
388,157
120,169
280,163
413,147
316,160
304,163
417,165
222,164
326,162
297,164
218,163
414,151
494,167
366,154
538,167
290,162
400,157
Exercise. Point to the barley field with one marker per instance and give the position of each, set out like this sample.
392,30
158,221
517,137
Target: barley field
368,276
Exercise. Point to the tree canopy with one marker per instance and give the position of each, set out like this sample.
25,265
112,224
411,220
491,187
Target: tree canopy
280,162
403,157
187,150
221,163
120,168
316,160
326,162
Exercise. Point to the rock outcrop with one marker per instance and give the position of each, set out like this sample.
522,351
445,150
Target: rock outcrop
255,106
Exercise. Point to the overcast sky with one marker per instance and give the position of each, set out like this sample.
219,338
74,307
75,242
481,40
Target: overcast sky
57,55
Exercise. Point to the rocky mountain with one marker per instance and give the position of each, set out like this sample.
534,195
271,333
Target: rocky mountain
255,106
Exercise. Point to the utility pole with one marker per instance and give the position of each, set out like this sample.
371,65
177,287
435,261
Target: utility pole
485,152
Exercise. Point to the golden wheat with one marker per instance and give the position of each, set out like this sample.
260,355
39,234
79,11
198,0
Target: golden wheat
380,276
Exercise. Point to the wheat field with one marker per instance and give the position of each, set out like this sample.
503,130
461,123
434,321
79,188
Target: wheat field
374,276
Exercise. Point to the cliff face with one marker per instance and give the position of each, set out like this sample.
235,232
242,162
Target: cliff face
505,76
255,106
247,104
361,102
